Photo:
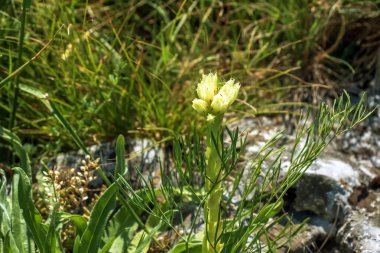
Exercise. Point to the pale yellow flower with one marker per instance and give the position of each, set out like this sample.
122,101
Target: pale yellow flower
231,90
212,101
200,105
208,87
225,97
220,103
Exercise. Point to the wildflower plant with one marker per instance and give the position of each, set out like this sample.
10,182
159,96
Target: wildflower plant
260,203
214,100
129,219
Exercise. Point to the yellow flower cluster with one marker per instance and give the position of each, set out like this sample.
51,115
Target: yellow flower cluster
214,100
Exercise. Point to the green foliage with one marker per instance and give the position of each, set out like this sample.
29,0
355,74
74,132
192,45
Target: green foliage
68,74
21,225
90,239
126,72
24,225
111,231
79,221
30,213
16,145
120,169
119,231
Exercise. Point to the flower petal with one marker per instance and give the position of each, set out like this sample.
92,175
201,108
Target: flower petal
200,105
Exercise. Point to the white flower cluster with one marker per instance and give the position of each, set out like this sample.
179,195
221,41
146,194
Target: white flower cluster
212,99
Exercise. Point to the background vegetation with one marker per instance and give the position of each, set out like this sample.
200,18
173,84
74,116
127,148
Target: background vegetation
130,66
90,70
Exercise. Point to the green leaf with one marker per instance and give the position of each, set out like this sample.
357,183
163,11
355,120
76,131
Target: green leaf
90,240
142,240
107,248
7,243
268,212
18,148
79,222
120,157
120,229
30,213
193,246
76,244
108,245
10,244
27,3
19,228
51,238
4,206
12,224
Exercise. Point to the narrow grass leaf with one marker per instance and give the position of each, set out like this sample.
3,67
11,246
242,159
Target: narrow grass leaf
146,239
56,112
107,248
4,207
9,243
193,246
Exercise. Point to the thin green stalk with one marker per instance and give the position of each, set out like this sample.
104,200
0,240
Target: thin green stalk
213,102
213,222
12,118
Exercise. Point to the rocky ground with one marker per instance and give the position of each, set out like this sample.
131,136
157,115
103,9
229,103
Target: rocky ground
339,193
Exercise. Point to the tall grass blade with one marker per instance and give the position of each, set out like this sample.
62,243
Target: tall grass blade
144,244
44,98
26,4
10,244
193,246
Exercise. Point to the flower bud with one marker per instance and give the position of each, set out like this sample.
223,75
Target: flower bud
200,105
225,97
231,90
208,87
210,117
220,103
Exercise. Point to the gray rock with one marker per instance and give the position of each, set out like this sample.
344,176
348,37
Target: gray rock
305,240
359,234
325,187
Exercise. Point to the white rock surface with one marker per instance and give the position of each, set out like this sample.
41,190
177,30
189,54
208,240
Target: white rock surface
335,169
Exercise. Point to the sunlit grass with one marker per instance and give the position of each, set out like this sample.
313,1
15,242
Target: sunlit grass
128,67
74,73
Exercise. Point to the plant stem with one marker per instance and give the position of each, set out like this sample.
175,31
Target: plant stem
19,60
213,222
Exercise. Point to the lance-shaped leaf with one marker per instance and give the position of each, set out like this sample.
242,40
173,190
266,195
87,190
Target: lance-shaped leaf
103,208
